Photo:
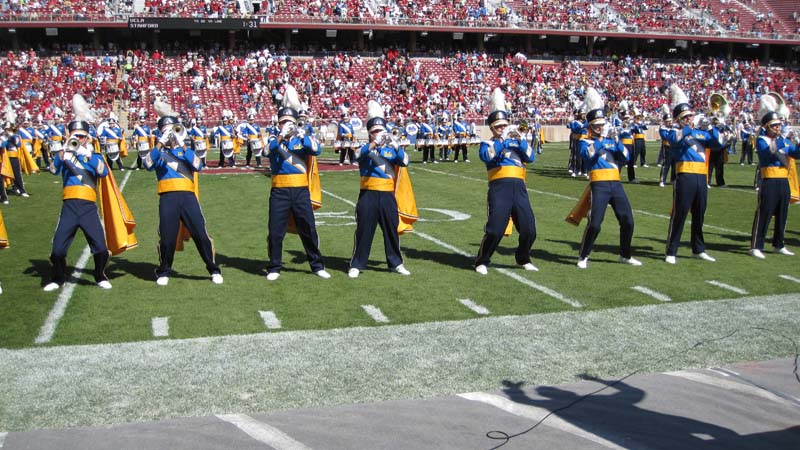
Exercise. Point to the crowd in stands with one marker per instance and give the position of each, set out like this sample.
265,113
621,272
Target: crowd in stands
202,84
707,17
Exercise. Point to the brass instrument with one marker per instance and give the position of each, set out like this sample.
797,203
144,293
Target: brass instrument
523,127
719,106
301,123
397,133
72,144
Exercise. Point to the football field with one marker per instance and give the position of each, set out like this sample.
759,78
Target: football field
83,356
443,287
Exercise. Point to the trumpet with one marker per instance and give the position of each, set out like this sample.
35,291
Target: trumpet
301,123
72,144
397,133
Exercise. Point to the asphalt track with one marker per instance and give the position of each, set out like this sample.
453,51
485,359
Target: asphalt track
739,406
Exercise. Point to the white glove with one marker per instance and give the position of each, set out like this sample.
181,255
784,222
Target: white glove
84,151
381,139
287,129
612,133
165,138
789,133
701,122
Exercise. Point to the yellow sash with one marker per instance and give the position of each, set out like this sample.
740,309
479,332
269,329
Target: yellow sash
3,233
183,232
406,202
314,190
5,169
117,218
581,209
26,162
794,183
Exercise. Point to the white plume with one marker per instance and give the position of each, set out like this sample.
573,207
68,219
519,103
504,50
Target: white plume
164,109
677,96
623,106
497,102
592,100
665,110
10,114
81,109
781,108
766,105
374,109
291,99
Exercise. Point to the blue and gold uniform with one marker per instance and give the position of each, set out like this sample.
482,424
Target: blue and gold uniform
600,156
112,138
12,147
250,133
461,134
665,155
142,140
377,204
690,192
226,135
506,159
774,152
346,136
79,173
290,197
639,146
176,169
578,132
626,138
746,136
426,136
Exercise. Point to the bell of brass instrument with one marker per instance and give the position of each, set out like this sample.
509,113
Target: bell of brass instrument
301,123
397,133
718,105
524,126
72,144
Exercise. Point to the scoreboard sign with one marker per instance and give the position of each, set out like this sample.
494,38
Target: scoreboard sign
169,23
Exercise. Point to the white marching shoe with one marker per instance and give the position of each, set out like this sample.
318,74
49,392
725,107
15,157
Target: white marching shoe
783,251
583,263
104,284
671,259
530,267
704,256
52,286
162,281
353,273
272,276
630,261
401,270
483,270
757,253
216,278
322,274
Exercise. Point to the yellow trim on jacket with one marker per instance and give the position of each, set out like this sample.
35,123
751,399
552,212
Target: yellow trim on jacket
695,167
604,175
506,172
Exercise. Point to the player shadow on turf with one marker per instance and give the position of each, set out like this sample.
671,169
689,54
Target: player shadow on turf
553,173
614,415
142,270
40,268
600,252
445,258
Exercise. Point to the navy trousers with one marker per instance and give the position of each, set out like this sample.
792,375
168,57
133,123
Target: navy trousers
773,199
284,202
78,214
508,197
173,208
690,194
603,194
376,208
19,185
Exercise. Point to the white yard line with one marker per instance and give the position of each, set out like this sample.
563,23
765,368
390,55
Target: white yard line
3,438
57,312
262,432
271,321
722,285
375,312
160,326
656,295
729,385
478,309
506,272
790,278
575,199
719,372
536,414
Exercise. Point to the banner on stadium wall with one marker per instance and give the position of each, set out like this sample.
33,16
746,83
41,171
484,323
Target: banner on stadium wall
172,23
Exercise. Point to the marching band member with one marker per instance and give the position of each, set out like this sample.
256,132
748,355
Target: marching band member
639,146
667,164
600,155
578,128
40,147
506,157
773,151
197,136
4,244
461,134
746,135
142,137
443,134
626,137
55,135
346,136
80,169
690,191
112,139
426,132
250,133
13,147
292,156
384,197
176,169
225,135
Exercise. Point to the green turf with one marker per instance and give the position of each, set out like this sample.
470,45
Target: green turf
235,207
